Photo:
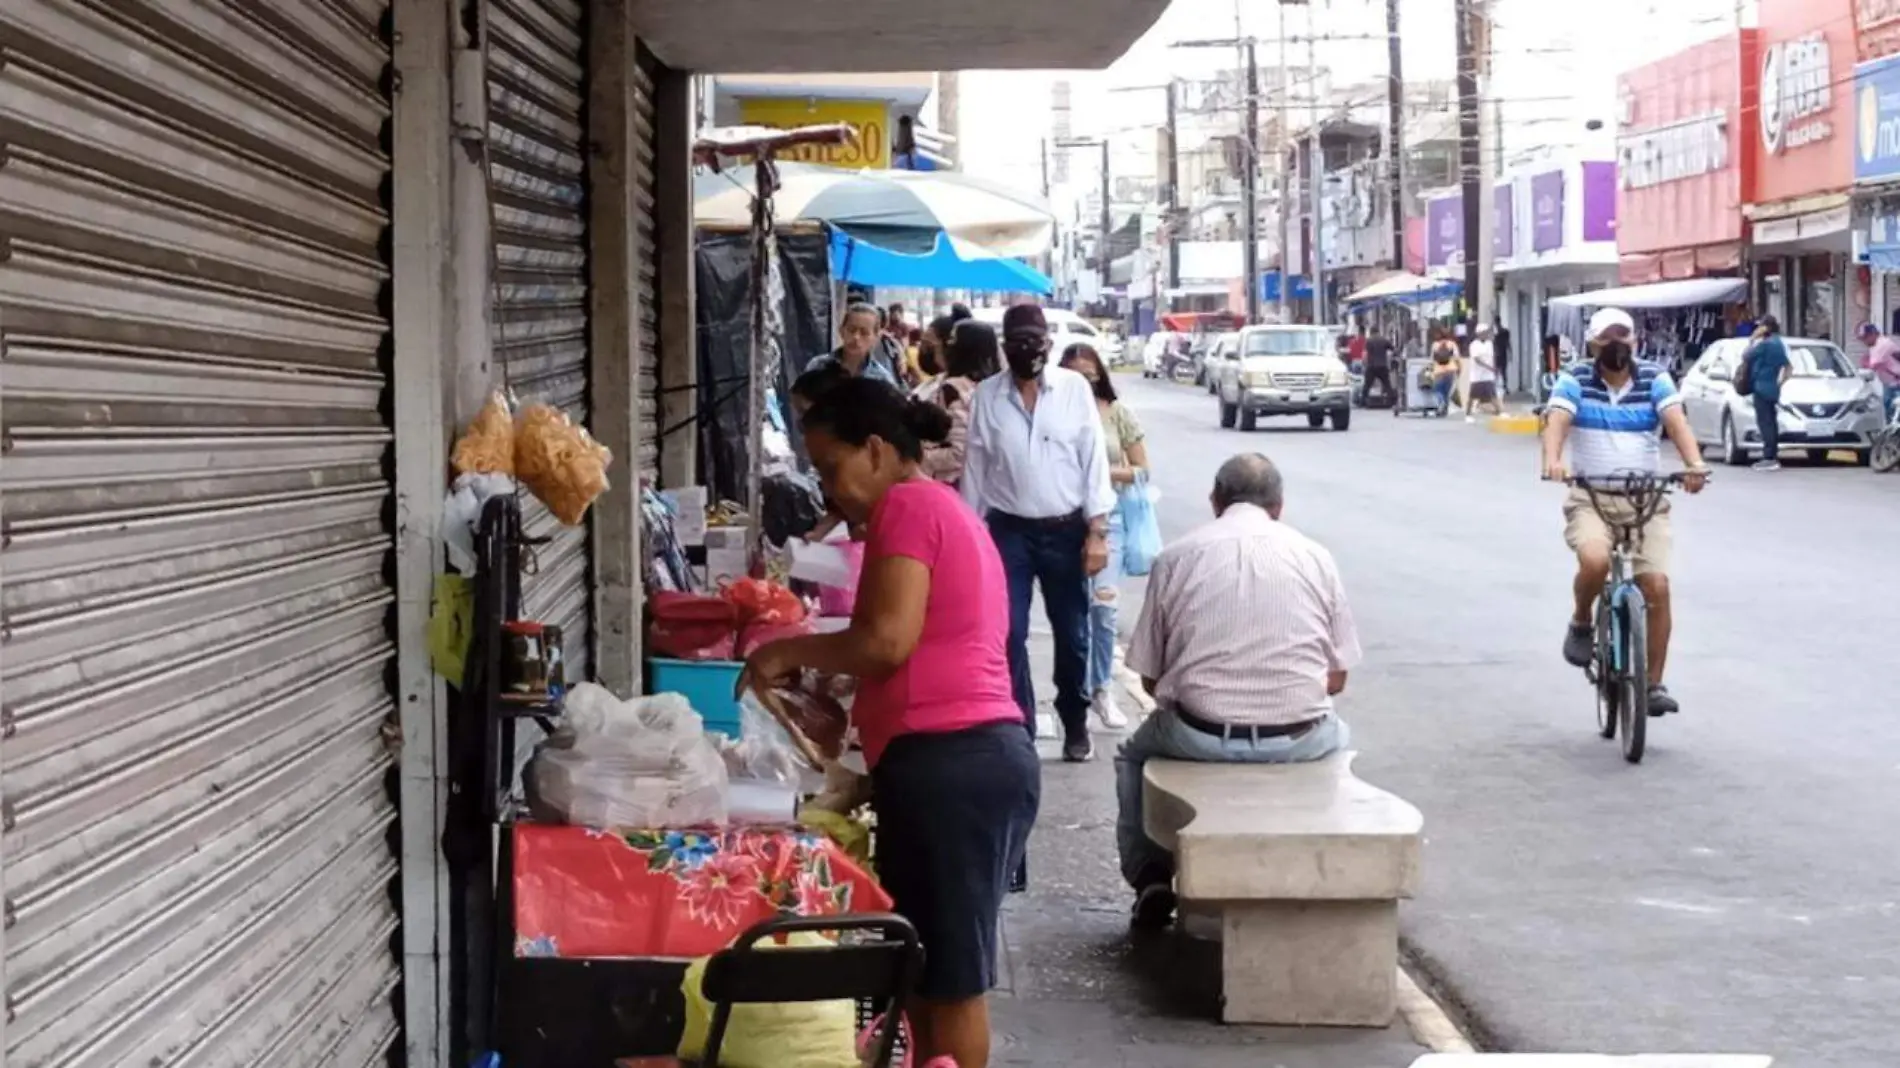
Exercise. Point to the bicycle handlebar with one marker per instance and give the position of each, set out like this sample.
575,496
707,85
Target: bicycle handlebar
1636,481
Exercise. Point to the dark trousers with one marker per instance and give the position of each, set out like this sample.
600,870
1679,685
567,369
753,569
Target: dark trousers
1380,376
1047,553
1768,425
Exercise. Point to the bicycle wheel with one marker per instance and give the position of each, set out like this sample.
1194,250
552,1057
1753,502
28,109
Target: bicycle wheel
1633,677
1601,674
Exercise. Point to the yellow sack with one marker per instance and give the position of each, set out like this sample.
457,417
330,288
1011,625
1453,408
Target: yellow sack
817,1034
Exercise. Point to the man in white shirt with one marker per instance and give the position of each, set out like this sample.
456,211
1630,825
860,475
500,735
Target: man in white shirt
1036,469
1244,639
1483,386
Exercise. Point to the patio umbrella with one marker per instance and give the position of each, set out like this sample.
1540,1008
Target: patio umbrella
902,211
954,264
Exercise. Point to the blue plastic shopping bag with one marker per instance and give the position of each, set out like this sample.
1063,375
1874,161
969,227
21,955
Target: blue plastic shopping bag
1141,531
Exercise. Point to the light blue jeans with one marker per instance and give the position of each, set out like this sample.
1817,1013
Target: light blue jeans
1163,735
1104,609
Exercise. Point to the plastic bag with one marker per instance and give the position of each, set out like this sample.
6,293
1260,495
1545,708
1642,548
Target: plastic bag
811,1034
488,445
790,505
763,602
462,514
691,626
559,462
1141,531
640,763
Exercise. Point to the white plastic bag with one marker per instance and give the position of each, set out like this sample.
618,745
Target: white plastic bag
640,763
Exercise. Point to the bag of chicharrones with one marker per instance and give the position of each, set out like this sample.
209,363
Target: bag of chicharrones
487,447
559,461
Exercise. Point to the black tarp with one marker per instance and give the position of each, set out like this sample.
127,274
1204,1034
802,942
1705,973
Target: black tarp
724,317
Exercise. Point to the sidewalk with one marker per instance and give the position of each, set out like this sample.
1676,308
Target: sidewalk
1077,992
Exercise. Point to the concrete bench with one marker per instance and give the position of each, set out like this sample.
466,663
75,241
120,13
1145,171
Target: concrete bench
1592,1060
1305,865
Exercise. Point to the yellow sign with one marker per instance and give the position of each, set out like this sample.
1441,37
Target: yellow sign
869,119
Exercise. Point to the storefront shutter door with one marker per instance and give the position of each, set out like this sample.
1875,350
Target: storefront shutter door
537,174
647,322
196,821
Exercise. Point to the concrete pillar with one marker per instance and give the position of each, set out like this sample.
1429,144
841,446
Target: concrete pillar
674,130
616,249
423,309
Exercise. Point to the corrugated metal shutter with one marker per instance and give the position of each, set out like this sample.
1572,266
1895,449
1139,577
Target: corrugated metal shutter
646,263
537,173
197,793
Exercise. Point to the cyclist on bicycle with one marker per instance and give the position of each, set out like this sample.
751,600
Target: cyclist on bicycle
1609,408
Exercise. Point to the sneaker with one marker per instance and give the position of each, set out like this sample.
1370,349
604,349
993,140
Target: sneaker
1660,703
1109,710
1154,907
1580,645
1767,465
1077,749
1470,419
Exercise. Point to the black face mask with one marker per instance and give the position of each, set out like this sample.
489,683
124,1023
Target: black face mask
1614,356
1026,358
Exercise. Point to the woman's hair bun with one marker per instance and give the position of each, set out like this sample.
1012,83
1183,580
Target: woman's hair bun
927,421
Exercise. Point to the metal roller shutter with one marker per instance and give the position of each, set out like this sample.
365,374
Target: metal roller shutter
537,176
647,322
197,816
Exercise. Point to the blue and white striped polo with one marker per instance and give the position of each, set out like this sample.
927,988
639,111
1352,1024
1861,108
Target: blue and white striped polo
1618,432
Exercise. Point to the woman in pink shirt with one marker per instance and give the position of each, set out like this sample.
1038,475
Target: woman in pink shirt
955,779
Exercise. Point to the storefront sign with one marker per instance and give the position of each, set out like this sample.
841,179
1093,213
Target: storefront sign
1814,224
1504,220
1876,28
1599,201
869,119
1797,93
1445,231
1547,211
1687,149
1877,120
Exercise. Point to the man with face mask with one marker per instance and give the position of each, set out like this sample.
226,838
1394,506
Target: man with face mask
1609,411
1036,469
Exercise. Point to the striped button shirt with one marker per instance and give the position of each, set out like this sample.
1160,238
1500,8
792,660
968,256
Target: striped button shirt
1243,621
1618,431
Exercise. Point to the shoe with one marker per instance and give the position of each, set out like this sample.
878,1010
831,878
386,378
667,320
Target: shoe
1470,419
1154,907
1109,710
1580,645
1077,749
1767,465
1660,703
1019,879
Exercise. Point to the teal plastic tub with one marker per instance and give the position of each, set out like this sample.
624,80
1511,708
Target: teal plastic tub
706,684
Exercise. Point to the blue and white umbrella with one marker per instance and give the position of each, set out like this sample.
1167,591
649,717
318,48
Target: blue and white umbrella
903,211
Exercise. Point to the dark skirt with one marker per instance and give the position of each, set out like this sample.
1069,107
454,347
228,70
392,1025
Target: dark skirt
953,817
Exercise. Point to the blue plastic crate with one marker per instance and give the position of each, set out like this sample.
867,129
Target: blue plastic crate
707,684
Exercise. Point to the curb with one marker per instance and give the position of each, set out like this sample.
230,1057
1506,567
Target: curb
1513,424
1431,1026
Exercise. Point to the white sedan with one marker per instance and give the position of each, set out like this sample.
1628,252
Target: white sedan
1826,404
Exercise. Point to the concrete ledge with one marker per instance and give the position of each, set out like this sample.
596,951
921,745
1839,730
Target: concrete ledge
1592,1060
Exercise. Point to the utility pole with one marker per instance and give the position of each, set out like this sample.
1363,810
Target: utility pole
1174,186
1487,166
1470,166
1286,176
1316,172
1104,256
1250,187
1395,130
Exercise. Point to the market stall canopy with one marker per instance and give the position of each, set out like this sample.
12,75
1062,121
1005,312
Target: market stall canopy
953,264
1405,288
1687,293
902,211
734,36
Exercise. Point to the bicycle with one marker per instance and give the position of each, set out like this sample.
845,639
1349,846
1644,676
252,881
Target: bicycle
1620,670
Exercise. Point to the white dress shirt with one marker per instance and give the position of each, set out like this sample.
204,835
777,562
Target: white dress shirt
1244,620
1484,361
1037,465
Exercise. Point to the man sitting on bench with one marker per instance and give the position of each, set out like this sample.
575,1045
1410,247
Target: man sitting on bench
1244,638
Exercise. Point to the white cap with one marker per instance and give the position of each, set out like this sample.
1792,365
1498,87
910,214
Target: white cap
1607,318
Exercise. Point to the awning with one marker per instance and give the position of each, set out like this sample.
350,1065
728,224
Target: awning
1405,288
1686,293
954,264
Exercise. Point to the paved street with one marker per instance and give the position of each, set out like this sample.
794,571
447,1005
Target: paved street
1735,893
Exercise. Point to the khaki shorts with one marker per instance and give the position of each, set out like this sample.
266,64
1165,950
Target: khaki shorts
1584,528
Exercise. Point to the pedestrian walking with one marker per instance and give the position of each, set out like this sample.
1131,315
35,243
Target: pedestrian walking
1444,370
1378,370
1883,359
1127,468
862,348
1767,367
1482,388
970,358
1036,469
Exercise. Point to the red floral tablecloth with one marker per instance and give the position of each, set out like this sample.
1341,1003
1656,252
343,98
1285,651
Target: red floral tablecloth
673,893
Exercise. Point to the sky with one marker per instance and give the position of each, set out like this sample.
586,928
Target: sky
1556,70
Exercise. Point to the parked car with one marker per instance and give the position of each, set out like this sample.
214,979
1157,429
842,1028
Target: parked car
1065,329
1826,404
1221,350
1158,345
1282,370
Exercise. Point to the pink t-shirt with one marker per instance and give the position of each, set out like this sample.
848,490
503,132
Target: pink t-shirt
958,676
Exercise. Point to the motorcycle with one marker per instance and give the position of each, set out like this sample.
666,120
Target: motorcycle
1178,366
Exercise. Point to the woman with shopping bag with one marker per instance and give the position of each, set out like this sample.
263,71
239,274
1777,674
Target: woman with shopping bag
1128,471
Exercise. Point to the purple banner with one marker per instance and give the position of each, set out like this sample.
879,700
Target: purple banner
1599,201
1444,230
1504,220
1547,211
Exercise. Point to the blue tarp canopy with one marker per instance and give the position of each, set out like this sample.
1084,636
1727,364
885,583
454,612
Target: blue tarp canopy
952,264
1270,286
